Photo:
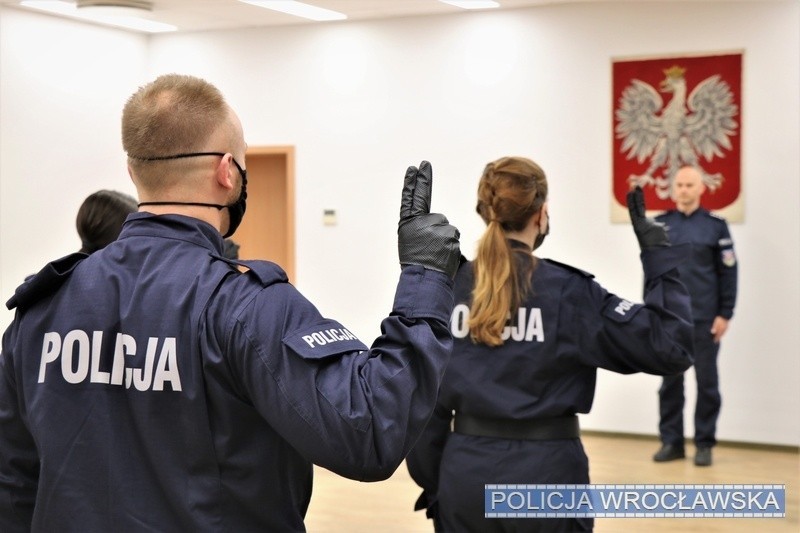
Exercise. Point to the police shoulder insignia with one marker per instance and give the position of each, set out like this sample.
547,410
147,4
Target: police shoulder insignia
621,310
728,257
322,340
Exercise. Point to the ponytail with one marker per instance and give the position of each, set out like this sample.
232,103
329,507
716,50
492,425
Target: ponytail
510,192
495,288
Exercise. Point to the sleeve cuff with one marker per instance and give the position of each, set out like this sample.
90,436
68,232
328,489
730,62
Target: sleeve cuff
658,261
424,293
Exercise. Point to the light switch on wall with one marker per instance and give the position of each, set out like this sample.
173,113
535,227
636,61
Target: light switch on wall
329,217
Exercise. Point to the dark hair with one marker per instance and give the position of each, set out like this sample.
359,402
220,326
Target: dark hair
230,249
100,218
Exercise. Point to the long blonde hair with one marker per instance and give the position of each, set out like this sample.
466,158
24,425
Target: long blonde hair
511,191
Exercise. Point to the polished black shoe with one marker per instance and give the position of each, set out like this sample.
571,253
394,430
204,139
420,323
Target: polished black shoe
669,452
702,457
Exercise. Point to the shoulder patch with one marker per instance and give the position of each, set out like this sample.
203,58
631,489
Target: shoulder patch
621,310
728,257
569,267
323,340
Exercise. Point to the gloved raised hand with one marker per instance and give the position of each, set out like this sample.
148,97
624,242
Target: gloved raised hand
651,234
425,238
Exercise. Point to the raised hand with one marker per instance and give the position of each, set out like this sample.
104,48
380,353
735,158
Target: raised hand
425,238
651,234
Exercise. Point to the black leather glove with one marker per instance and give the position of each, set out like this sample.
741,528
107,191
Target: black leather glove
651,234
425,238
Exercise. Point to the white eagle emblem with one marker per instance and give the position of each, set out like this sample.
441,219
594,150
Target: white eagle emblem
678,133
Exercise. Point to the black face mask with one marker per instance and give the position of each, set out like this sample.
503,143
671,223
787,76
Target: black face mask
540,237
235,210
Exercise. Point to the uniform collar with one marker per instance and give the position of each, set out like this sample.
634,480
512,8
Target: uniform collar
519,245
693,214
173,226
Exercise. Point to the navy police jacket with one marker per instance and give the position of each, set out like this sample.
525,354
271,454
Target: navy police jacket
152,386
710,271
566,328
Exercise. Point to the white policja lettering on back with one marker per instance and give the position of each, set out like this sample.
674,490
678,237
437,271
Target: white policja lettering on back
79,355
526,325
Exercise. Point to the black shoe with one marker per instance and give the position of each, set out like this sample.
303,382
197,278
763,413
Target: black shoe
702,457
669,452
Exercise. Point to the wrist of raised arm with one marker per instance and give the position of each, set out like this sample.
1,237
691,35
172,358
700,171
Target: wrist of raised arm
423,293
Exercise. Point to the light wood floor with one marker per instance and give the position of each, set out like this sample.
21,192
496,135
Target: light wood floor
342,505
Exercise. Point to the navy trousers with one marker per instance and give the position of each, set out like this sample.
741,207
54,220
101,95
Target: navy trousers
709,401
469,463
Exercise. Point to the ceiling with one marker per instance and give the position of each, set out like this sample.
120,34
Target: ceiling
202,15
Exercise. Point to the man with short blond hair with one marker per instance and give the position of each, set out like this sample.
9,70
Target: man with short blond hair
155,386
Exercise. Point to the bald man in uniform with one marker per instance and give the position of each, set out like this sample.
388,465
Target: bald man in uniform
710,274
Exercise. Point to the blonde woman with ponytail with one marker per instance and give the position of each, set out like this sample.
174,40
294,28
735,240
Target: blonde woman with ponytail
529,334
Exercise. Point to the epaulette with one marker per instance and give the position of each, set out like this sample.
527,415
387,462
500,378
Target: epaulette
45,282
718,217
569,267
266,272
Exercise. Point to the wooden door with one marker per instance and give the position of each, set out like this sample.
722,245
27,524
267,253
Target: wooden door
267,231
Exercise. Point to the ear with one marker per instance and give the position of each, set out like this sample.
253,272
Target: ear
224,172
543,214
543,221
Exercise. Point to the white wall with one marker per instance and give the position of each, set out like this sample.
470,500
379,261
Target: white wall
62,88
362,100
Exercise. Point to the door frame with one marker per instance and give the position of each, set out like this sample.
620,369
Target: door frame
288,154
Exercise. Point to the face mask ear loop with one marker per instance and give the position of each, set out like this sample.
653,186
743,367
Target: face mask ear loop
180,156
200,204
236,209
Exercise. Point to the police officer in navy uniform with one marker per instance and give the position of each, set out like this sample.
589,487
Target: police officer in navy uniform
152,386
529,336
710,274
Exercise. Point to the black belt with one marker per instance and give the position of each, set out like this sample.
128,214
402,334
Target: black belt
560,427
